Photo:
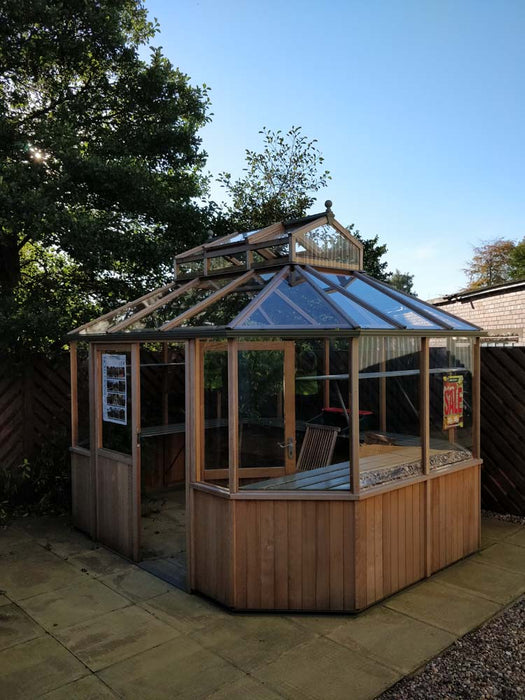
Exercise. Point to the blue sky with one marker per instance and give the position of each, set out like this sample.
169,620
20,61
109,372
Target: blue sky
418,107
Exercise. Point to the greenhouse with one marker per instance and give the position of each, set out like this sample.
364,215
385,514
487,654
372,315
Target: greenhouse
276,429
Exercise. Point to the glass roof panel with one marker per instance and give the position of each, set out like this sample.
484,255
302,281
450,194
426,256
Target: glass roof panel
238,238
393,308
362,317
438,314
223,311
296,304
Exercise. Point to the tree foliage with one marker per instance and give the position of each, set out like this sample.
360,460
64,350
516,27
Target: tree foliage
278,183
100,163
373,251
517,261
491,264
402,281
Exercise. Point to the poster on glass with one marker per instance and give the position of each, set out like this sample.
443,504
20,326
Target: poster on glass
114,394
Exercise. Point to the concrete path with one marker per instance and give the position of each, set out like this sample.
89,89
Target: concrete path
77,621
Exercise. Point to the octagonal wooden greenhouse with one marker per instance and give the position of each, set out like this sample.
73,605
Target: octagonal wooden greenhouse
277,430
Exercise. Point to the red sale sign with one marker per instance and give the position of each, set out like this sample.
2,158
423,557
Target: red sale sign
452,402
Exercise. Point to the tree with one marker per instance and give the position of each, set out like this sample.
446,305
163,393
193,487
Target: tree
402,281
279,182
490,264
372,254
100,164
517,261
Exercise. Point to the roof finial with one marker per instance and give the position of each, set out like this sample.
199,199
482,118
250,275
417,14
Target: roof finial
328,205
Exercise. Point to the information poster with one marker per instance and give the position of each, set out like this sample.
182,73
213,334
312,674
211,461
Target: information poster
452,402
114,390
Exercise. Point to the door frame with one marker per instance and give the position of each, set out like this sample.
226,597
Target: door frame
233,347
131,460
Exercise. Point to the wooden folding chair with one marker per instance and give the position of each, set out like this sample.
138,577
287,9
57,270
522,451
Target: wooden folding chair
318,447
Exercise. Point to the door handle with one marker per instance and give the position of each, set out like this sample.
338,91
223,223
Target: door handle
289,445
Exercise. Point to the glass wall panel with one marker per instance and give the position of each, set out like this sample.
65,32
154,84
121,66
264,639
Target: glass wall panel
325,245
163,419
294,417
451,363
261,410
389,395
215,378
83,395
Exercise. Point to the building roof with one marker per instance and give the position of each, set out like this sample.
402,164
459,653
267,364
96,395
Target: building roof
502,288
291,278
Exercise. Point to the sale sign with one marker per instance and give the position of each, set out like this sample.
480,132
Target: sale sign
452,402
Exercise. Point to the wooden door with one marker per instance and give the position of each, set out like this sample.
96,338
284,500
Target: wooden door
116,449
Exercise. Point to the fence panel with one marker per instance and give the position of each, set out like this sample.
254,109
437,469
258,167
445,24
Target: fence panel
34,402
503,429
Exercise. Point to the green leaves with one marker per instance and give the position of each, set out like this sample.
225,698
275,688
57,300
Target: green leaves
100,161
279,182
495,262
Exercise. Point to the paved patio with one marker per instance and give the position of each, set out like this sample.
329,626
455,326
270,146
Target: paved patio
77,621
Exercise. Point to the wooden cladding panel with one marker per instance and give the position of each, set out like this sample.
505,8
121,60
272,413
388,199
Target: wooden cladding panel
294,555
455,516
390,543
81,491
212,546
115,509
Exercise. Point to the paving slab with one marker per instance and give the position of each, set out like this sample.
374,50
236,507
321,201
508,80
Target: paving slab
180,668
494,530
184,612
57,534
100,562
504,555
392,638
16,626
452,609
87,688
31,669
28,570
110,638
251,641
499,585
243,689
322,669
10,535
136,584
72,605
319,624
518,538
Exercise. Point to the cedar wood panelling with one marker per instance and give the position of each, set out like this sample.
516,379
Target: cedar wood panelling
294,555
212,546
81,491
455,508
114,504
331,555
390,543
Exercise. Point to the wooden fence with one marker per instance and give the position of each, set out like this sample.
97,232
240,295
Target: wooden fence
503,429
34,403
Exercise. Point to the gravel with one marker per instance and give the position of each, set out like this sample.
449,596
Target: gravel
484,664
508,517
